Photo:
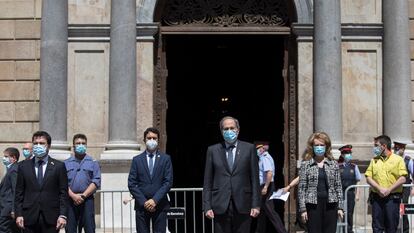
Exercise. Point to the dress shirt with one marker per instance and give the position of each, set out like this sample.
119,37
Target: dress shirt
44,165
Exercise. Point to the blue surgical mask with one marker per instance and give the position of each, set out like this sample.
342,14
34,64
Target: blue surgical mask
80,149
348,157
319,150
151,144
6,161
258,152
230,136
39,151
376,151
26,153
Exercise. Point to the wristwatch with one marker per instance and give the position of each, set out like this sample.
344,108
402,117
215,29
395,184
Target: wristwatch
83,196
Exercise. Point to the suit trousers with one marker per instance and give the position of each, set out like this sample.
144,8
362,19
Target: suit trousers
232,221
385,213
41,226
81,217
322,217
158,218
268,212
8,225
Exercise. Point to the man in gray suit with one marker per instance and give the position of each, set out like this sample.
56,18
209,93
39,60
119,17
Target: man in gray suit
7,191
231,192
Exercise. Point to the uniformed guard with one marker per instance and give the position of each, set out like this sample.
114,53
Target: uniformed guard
399,149
350,175
84,178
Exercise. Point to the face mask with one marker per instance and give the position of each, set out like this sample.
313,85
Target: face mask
230,136
39,151
319,150
26,153
6,161
258,153
347,157
399,152
80,149
151,144
377,151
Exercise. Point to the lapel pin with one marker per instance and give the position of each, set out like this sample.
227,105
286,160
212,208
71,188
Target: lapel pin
52,163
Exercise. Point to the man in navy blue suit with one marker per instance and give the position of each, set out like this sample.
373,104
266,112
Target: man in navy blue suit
149,181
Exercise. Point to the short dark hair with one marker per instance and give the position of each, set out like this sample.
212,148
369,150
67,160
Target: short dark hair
152,130
42,134
384,140
13,152
81,136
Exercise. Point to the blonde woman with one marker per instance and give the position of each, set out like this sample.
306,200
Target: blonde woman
320,189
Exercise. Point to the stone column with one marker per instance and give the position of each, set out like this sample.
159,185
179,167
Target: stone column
122,82
397,71
327,69
53,74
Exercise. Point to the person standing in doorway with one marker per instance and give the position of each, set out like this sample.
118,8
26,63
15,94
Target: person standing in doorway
84,178
385,174
399,149
149,181
350,175
7,191
41,190
266,179
231,192
320,189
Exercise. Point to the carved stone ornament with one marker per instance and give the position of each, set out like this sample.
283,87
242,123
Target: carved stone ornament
225,13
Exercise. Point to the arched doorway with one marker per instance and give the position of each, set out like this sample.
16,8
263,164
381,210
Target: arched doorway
226,58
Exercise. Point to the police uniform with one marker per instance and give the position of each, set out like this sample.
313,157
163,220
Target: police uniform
406,191
350,175
82,173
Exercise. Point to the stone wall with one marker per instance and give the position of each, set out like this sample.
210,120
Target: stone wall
19,71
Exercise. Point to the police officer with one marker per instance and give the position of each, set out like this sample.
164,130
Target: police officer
350,175
399,149
84,178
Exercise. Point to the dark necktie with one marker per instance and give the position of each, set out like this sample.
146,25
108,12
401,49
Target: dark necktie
230,157
151,163
40,172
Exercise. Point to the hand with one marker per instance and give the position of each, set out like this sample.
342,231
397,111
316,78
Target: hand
383,192
341,214
264,190
77,199
20,222
286,189
126,200
210,214
150,205
304,216
61,223
254,212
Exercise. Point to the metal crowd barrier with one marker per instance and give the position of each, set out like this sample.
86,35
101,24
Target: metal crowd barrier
362,218
117,214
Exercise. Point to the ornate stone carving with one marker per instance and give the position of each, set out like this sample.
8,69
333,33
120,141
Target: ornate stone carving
225,13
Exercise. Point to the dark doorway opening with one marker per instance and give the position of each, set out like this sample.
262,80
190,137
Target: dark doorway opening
211,76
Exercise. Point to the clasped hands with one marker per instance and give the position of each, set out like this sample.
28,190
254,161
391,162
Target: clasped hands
150,205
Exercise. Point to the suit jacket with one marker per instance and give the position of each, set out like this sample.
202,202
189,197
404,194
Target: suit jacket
7,190
143,186
241,184
51,197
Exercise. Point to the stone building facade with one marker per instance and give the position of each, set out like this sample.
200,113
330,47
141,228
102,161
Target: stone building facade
354,88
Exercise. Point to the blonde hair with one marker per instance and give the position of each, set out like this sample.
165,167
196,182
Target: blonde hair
320,136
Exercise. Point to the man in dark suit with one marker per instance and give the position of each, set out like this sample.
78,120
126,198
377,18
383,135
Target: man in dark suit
7,190
41,190
149,181
231,192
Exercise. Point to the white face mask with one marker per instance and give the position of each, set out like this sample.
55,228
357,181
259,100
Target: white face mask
151,144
